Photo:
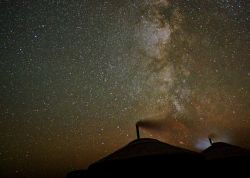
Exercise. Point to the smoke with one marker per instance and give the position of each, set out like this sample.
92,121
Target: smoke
153,125
170,128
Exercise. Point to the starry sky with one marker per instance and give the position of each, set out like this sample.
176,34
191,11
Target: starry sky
75,77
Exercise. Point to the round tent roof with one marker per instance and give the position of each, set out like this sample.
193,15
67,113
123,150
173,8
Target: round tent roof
220,150
146,147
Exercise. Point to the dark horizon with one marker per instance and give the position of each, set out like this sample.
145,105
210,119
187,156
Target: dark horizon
145,156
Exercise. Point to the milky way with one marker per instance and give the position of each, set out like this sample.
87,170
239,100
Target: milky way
197,64
77,75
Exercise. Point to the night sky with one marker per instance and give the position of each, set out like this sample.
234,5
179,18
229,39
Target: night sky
75,77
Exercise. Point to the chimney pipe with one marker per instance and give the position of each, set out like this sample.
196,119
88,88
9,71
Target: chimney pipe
137,131
210,140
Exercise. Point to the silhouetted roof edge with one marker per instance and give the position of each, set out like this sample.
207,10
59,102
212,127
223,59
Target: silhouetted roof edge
165,148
